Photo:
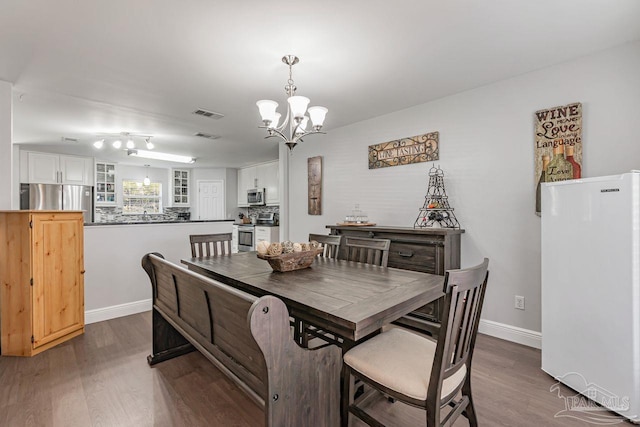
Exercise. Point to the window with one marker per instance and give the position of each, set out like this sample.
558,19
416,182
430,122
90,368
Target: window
140,199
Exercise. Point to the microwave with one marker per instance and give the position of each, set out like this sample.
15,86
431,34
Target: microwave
255,197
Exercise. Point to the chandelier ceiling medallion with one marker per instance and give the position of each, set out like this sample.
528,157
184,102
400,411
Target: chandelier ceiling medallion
296,118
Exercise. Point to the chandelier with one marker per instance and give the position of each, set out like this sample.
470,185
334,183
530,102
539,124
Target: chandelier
296,118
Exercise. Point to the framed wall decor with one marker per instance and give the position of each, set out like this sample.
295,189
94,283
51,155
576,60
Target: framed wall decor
405,151
314,189
558,145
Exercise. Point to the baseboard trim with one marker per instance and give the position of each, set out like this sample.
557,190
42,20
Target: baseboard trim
511,333
114,311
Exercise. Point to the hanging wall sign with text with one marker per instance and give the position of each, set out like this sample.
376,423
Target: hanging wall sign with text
558,145
405,151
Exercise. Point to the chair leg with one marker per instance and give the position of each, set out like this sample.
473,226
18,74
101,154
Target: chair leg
470,411
346,399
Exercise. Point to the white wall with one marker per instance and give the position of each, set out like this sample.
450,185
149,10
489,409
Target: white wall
115,283
487,154
6,146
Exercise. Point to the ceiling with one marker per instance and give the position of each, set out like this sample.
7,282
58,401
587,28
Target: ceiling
81,69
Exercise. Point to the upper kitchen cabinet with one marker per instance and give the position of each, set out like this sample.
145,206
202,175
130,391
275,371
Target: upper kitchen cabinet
105,184
47,168
180,187
265,176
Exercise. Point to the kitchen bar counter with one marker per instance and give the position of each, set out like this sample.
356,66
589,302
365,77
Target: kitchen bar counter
175,221
115,283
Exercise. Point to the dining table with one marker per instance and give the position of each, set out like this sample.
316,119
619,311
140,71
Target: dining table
348,299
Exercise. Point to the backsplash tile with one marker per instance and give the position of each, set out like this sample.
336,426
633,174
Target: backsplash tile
107,214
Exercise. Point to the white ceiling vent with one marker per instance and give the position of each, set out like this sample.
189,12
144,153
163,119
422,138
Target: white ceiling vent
206,135
209,114
67,139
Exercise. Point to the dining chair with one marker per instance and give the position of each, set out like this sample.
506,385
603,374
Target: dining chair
330,244
414,369
205,245
369,251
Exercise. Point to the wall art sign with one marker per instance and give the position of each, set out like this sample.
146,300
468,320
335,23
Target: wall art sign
405,151
314,189
558,145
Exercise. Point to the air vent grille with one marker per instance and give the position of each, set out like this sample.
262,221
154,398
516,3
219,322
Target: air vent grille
209,114
67,139
207,135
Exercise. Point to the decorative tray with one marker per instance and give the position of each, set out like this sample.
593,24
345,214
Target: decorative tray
292,261
356,224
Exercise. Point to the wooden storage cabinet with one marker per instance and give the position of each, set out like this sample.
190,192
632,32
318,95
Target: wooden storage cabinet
42,280
431,250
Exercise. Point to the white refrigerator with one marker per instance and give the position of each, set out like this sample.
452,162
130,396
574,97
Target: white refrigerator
591,288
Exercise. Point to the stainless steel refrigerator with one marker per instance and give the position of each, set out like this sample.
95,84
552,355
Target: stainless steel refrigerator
58,197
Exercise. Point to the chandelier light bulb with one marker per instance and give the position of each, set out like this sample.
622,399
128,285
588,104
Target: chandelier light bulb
298,105
267,110
276,121
317,115
117,144
302,127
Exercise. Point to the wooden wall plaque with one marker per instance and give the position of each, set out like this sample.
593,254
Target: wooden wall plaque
314,172
405,151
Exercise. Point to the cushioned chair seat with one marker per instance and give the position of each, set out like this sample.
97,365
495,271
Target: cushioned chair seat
402,361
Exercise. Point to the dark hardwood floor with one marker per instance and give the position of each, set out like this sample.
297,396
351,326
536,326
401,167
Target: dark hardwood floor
102,379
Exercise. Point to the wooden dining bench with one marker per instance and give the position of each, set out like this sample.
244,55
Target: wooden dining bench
248,339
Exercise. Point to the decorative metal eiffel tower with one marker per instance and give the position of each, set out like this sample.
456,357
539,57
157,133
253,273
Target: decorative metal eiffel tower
436,212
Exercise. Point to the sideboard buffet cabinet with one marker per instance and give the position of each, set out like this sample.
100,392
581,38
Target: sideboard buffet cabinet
429,250
41,280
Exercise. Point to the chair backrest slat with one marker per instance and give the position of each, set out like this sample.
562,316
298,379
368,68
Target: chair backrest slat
330,244
369,251
206,245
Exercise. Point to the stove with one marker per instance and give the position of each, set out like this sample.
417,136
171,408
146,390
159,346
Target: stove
265,218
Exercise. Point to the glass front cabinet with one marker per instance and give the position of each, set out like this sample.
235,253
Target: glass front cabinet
180,187
105,184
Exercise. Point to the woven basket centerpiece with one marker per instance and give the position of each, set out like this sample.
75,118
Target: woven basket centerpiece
288,256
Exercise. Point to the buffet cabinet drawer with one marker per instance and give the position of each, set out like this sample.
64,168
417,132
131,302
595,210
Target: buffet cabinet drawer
414,256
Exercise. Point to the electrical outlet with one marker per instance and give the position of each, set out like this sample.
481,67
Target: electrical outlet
519,302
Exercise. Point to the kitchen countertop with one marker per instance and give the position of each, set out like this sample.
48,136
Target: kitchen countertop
256,225
175,221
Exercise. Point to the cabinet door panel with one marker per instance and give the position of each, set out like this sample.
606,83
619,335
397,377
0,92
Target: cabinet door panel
58,295
75,171
43,168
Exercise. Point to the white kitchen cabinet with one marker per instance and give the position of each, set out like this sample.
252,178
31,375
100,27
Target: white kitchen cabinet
265,176
46,168
180,187
105,184
234,239
246,182
268,234
268,175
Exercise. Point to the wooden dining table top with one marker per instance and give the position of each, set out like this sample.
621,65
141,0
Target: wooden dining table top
347,298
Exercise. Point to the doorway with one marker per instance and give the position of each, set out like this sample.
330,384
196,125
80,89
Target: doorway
211,199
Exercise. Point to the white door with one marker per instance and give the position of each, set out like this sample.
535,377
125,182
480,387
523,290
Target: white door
211,200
